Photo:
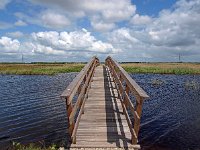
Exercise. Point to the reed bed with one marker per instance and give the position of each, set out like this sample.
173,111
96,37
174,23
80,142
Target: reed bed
39,69
52,69
163,68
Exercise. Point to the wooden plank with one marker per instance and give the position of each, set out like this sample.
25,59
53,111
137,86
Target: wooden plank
120,144
84,127
103,124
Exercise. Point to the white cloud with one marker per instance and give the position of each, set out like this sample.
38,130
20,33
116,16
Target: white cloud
8,45
48,18
172,32
20,23
41,49
52,42
177,28
108,12
3,3
102,26
54,20
120,10
16,34
122,36
141,20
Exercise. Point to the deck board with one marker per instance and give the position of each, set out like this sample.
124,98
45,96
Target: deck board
103,123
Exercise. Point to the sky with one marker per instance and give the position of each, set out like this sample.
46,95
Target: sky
76,30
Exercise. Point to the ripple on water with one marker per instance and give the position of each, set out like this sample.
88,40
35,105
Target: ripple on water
31,110
170,117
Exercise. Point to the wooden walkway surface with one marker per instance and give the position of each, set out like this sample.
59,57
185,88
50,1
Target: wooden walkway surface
103,123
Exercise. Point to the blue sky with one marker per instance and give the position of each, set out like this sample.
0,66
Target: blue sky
65,30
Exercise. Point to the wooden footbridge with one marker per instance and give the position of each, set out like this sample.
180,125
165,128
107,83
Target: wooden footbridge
104,107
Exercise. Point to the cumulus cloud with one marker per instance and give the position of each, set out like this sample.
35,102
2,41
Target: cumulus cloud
47,18
54,20
7,45
107,12
3,3
179,27
141,19
102,26
52,42
121,10
172,32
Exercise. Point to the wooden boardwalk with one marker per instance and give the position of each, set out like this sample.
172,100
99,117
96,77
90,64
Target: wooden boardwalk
103,122
100,117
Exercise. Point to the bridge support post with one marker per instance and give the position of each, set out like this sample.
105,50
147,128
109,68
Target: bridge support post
139,104
69,110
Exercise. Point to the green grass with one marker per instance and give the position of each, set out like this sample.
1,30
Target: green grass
18,146
162,68
55,68
156,70
39,69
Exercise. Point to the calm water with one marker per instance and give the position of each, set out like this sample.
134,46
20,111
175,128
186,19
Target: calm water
32,111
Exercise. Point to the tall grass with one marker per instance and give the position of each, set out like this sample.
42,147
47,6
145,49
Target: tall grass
163,68
51,69
39,69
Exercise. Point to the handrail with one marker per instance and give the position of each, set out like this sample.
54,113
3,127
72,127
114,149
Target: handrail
80,87
127,86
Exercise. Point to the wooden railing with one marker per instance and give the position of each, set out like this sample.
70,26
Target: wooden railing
127,87
79,87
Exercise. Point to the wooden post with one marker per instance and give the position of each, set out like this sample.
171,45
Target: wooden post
127,92
69,110
139,112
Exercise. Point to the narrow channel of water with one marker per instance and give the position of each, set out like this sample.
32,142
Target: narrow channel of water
31,110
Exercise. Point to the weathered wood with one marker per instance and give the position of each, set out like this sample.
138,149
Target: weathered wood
120,144
121,77
73,86
103,120
81,95
79,85
130,82
103,97
86,89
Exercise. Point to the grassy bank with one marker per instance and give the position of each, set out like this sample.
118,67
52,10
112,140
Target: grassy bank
53,68
162,68
39,69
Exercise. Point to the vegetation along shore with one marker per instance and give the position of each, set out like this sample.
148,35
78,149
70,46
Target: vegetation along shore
55,68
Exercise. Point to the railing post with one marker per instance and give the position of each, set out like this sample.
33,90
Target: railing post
139,104
127,92
69,110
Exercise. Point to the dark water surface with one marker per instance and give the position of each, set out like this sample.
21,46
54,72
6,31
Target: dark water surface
32,111
171,117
